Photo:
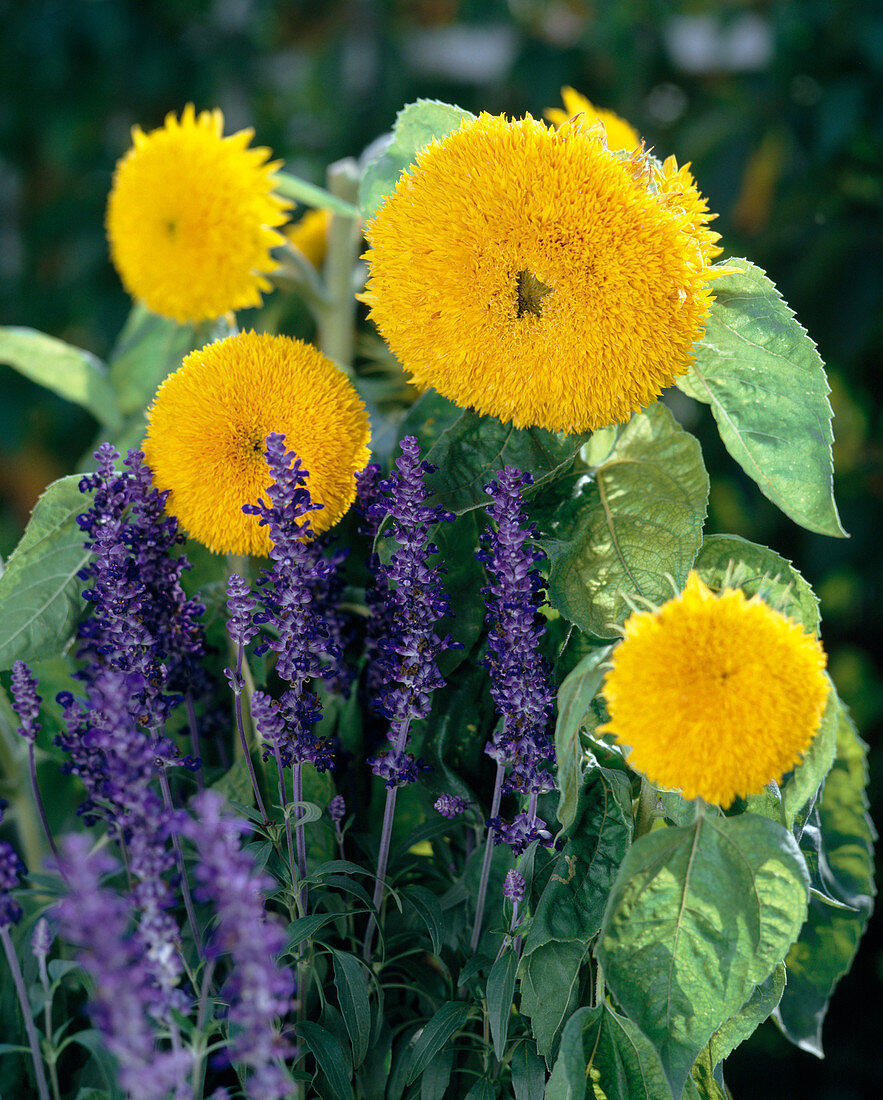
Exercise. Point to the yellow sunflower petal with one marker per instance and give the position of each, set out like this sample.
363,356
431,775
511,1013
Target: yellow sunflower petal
191,217
530,273
620,135
715,695
209,422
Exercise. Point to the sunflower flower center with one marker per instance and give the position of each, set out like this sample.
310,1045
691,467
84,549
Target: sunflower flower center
529,294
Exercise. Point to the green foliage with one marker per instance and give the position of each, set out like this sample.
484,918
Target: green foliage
415,127
763,378
574,696
71,373
628,525
697,918
829,940
40,589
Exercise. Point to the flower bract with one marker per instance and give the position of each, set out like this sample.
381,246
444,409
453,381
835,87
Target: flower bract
715,695
532,274
208,425
620,134
191,217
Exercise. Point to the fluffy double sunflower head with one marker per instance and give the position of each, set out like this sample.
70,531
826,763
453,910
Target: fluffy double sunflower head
715,695
208,425
191,218
533,274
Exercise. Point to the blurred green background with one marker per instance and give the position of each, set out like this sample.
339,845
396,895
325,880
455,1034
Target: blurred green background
778,105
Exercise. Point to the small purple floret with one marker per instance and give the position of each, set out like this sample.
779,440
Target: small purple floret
25,700
513,887
450,805
337,808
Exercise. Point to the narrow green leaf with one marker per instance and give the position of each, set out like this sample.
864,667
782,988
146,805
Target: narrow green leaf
549,988
426,905
481,1090
40,602
290,187
329,1057
606,1052
73,374
625,531
763,378
443,1025
574,696
697,917
416,126
528,1072
471,452
437,1075
500,991
829,940
572,903
758,569
352,993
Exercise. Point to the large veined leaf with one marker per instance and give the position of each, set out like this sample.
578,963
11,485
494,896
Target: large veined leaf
72,373
39,590
148,348
550,979
762,376
416,125
469,454
572,903
603,1054
577,691
631,528
759,569
830,938
699,916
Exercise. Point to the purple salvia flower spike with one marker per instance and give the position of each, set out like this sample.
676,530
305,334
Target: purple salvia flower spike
25,700
97,921
258,989
11,871
450,805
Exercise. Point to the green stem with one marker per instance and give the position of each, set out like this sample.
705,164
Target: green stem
19,794
33,1040
648,801
337,317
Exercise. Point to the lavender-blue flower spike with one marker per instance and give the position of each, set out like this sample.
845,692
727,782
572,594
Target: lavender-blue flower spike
407,666
518,675
26,703
258,990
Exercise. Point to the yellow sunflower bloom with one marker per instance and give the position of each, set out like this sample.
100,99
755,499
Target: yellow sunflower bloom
208,426
620,135
532,274
190,218
310,235
715,695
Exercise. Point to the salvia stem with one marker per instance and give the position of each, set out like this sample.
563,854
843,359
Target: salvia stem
240,727
486,862
283,802
179,859
33,1039
38,802
382,860
193,726
300,836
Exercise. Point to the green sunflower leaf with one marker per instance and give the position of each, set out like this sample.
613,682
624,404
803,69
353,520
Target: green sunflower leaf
762,376
72,373
571,905
698,917
629,526
416,125
40,602
550,978
755,568
603,1051
829,940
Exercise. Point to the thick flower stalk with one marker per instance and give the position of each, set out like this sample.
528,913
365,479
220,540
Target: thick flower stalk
209,421
97,921
714,694
521,745
258,990
407,666
192,217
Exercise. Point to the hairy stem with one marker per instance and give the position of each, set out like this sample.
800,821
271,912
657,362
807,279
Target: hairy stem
33,1039
486,862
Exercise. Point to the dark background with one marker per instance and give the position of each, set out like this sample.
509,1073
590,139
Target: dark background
779,106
